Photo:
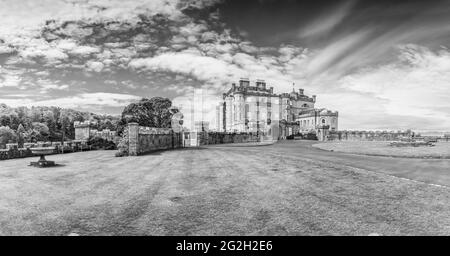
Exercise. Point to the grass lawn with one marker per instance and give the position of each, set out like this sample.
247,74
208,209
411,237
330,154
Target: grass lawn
214,191
382,148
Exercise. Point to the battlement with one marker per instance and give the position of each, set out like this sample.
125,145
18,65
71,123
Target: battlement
298,96
78,124
317,112
260,88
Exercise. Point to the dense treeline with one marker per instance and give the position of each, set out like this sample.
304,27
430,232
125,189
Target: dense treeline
22,124
34,124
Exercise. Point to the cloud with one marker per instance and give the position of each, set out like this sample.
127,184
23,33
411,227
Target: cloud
28,16
38,48
46,87
10,81
80,101
10,77
5,49
202,67
71,46
95,66
324,23
51,31
334,52
416,86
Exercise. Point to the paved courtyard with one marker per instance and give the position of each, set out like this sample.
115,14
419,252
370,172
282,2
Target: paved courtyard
288,188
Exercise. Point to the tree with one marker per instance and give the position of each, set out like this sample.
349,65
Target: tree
155,112
40,132
7,135
8,117
20,135
50,121
100,143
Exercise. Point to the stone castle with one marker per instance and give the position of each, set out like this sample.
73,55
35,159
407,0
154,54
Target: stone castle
256,108
83,130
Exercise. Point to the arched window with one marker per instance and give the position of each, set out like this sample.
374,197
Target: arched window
305,105
323,121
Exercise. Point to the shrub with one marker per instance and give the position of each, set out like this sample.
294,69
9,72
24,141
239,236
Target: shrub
121,154
123,145
7,135
100,143
311,136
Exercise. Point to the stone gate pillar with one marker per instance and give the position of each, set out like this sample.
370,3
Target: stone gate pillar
133,139
322,132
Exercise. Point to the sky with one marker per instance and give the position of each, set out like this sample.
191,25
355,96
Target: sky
382,64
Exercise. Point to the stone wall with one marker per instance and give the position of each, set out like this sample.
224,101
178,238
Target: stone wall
138,140
142,140
367,135
207,138
13,151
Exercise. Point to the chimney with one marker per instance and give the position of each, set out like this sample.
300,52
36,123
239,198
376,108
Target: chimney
244,82
261,84
233,85
301,91
314,98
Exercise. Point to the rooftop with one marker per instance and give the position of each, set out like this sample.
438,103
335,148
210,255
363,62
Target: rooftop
260,88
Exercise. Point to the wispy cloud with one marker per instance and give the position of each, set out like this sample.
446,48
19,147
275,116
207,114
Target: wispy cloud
84,101
324,59
327,21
